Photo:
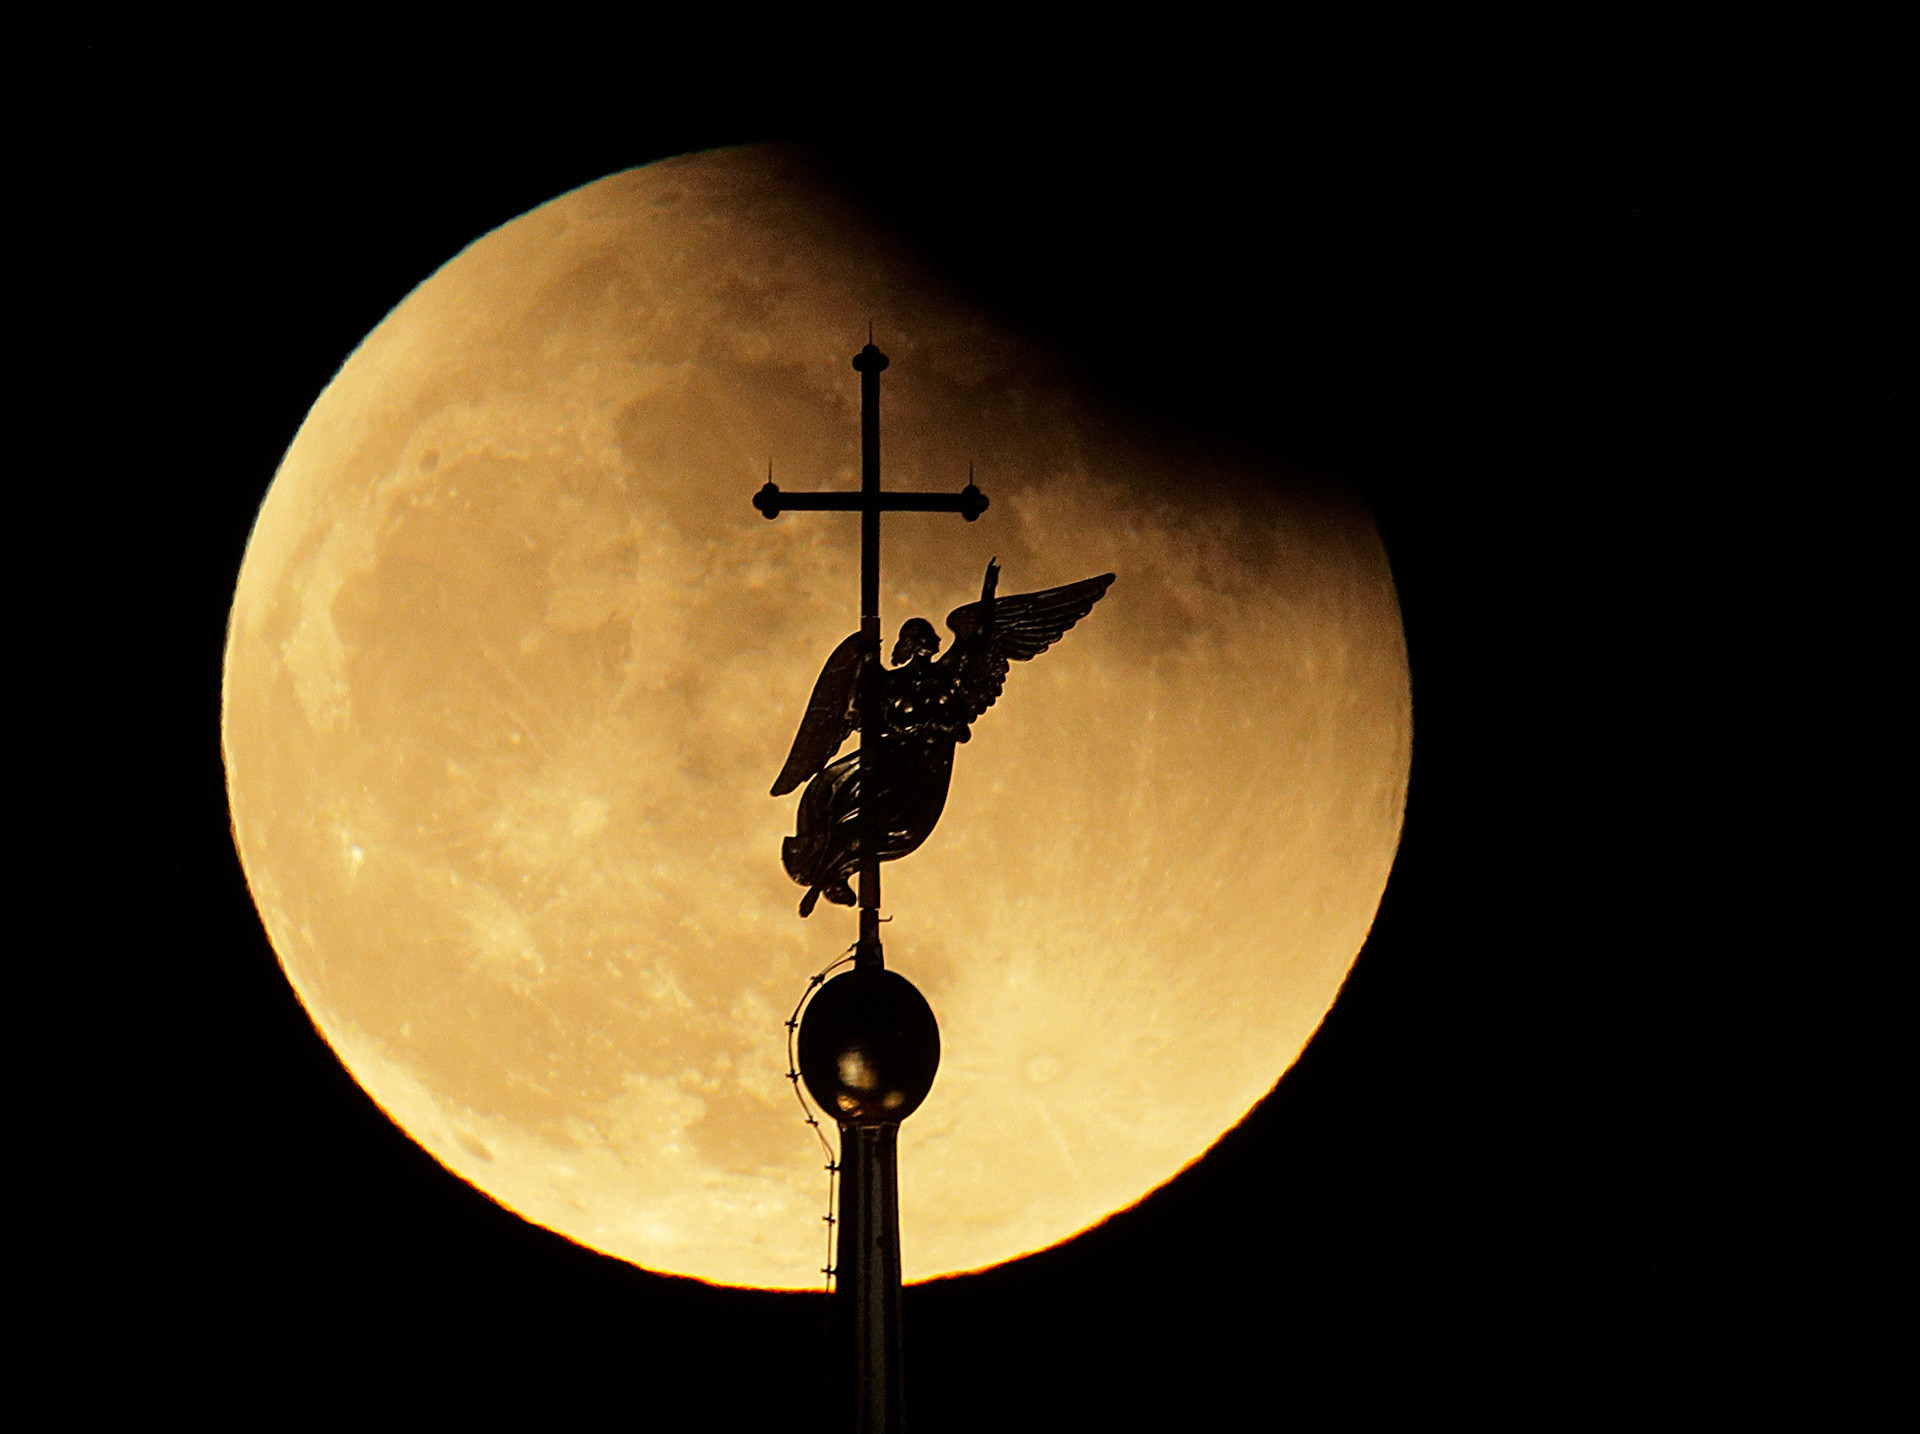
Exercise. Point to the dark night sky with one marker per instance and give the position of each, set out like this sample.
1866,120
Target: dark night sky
1498,1167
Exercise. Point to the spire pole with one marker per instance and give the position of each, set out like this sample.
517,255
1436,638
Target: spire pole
869,1049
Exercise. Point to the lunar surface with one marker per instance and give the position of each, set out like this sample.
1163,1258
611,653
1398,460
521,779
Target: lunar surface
513,663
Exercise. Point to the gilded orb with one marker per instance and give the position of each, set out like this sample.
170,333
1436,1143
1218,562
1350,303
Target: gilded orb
869,1047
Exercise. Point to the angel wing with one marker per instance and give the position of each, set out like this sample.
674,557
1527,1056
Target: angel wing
830,717
994,631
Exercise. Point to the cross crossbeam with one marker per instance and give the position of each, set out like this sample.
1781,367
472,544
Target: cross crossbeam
969,502
870,502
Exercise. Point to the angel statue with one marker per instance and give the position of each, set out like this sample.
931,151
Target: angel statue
927,705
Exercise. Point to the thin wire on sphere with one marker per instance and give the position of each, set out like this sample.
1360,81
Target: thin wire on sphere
806,1112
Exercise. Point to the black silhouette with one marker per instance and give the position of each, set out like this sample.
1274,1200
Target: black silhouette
869,1045
928,705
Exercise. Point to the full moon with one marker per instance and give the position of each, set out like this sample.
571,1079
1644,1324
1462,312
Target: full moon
513,662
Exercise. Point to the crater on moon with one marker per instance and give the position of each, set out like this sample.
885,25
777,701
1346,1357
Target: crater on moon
512,663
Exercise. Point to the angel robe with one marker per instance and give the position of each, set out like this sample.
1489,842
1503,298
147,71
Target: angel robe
916,769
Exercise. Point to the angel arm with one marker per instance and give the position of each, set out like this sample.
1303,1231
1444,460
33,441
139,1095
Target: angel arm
830,717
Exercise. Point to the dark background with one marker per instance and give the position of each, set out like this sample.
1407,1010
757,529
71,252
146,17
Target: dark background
1519,1162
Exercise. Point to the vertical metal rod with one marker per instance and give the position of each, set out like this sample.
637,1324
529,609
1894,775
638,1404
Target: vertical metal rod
869,362
869,1265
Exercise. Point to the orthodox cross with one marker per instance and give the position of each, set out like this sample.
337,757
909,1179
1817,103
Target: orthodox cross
870,502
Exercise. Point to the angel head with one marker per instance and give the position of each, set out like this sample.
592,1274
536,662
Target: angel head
917,639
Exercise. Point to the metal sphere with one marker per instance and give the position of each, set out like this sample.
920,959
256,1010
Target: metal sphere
869,1047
